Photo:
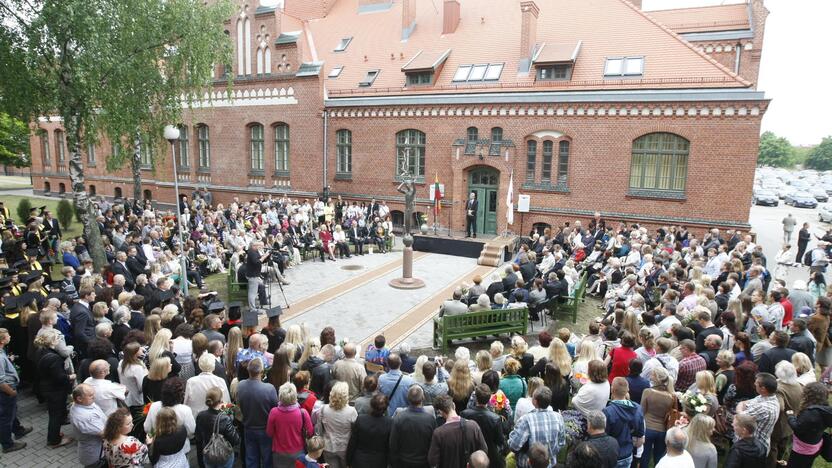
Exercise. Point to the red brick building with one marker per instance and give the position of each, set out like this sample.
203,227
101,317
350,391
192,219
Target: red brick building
590,105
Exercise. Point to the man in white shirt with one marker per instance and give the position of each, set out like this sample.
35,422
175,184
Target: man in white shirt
548,261
668,318
676,456
662,359
197,387
107,393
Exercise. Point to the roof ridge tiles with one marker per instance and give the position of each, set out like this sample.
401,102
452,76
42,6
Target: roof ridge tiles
729,5
690,46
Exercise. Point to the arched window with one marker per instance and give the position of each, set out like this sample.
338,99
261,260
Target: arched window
268,68
660,162
540,227
247,33
204,146
281,148
60,145
256,147
410,152
548,146
240,48
184,147
531,160
147,152
472,135
259,60
47,187
44,148
148,195
117,192
91,190
496,141
61,188
344,146
563,162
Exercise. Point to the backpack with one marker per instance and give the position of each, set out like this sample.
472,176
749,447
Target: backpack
807,258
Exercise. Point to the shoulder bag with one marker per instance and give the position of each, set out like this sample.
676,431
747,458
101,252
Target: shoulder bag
673,414
218,450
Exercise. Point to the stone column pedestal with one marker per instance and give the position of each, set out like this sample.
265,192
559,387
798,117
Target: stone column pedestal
407,281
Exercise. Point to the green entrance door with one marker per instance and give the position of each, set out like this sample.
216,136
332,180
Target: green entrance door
485,183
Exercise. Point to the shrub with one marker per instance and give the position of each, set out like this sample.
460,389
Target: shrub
65,213
23,209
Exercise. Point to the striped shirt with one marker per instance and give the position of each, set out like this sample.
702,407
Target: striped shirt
765,410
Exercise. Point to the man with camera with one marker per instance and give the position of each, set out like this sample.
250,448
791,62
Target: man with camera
254,266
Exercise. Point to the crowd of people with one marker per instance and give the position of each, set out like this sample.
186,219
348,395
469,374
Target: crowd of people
698,353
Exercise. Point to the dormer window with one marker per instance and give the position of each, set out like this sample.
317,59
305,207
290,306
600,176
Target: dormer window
624,66
419,78
343,44
335,72
554,72
369,79
555,61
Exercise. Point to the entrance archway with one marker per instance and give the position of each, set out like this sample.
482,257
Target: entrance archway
485,182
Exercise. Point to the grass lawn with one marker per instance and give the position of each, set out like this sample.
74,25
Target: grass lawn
14,182
11,202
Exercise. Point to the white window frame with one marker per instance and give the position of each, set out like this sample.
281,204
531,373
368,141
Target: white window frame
623,66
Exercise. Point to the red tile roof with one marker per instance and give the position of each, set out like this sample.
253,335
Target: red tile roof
704,19
489,32
557,53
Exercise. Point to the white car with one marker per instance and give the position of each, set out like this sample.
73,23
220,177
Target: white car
825,214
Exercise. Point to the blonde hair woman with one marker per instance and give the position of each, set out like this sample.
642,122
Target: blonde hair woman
519,351
587,352
630,323
525,405
294,335
161,344
152,325
559,356
705,386
701,449
312,348
460,385
418,374
335,421
233,346
803,367
484,362
159,371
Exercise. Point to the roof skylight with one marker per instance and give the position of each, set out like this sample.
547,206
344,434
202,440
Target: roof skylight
478,72
624,66
335,72
343,44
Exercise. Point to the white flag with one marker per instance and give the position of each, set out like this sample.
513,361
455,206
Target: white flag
510,200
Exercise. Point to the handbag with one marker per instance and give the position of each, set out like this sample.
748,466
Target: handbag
673,414
218,450
826,448
722,426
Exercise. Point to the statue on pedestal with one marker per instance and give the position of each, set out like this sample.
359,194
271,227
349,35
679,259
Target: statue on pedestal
408,188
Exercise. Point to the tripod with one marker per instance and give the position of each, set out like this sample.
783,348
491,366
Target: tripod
269,283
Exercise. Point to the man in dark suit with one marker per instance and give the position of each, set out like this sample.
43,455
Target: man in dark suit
490,424
471,207
53,231
557,286
133,263
119,267
358,236
80,315
510,280
768,361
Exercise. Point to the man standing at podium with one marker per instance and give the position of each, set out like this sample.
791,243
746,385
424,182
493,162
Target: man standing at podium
471,215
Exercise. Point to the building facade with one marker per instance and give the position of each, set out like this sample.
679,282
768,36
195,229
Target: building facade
649,117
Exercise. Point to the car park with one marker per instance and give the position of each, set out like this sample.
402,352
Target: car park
819,193
765,197
801,199
825,214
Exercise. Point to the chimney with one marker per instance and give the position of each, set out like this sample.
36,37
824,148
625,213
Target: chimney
636,3
450,16
408,18
528,29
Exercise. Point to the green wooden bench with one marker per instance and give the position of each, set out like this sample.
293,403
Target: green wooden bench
571,302
236,290
476,324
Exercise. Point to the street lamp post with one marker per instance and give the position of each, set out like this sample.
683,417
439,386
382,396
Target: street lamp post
172,136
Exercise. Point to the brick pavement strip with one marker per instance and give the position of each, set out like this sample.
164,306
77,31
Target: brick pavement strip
37,454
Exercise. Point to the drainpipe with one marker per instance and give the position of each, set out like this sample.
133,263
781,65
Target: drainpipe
326,149
737,61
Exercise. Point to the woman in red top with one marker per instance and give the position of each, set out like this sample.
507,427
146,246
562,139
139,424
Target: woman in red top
621,357
326,242
306,397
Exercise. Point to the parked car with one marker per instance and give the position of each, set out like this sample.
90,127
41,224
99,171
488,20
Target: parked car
825,214
801,200
765,197
819,193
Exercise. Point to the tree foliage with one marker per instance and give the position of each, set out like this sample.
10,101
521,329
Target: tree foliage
23,209
14,142
109,69
820,158
775,151
65,213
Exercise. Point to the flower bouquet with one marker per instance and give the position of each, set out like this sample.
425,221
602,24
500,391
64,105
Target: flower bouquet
695,403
